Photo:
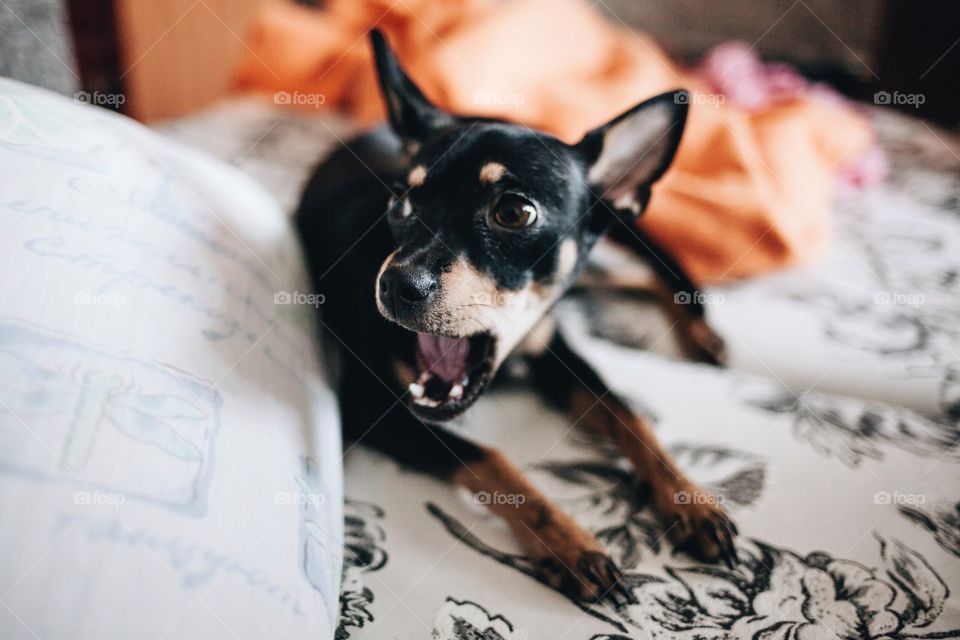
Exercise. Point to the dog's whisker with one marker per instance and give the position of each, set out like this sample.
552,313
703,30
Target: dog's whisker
476,304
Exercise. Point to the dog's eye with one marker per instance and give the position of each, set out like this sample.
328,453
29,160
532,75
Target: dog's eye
514,212
399,209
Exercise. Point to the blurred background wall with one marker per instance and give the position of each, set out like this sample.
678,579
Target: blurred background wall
785,29
859,46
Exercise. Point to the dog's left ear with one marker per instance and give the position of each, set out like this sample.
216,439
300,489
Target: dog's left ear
412,116
632,151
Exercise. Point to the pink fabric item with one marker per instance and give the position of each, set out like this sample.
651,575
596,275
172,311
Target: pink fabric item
734,71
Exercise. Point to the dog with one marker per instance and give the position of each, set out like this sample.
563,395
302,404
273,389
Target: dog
441,244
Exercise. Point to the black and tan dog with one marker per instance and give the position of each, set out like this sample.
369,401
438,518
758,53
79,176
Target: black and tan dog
441,247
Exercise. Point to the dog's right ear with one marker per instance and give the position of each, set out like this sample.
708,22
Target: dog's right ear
412,116
632,151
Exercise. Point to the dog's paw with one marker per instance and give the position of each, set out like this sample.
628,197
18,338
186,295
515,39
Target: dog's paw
590,576
701,527
569,559
702,344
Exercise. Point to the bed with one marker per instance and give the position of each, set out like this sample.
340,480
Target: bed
171,450
832,437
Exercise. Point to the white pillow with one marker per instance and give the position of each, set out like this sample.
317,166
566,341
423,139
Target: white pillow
170,461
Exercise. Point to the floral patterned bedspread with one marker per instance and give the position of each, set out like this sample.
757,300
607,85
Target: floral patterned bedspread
832,439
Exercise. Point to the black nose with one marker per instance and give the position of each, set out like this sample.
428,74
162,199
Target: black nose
407,286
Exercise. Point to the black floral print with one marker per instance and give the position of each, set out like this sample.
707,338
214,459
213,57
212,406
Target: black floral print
363,552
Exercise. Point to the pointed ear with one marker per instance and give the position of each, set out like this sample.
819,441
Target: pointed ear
632,151
412,116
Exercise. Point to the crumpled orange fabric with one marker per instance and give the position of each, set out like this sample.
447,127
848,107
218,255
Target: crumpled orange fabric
748,192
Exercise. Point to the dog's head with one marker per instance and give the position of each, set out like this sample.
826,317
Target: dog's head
492,223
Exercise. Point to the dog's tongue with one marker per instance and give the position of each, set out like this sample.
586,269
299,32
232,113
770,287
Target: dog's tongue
442,356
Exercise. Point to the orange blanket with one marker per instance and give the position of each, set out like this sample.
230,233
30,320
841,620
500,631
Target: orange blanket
748,192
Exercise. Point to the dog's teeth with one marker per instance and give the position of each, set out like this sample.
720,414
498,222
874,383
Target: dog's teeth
456,391
426,402
416,390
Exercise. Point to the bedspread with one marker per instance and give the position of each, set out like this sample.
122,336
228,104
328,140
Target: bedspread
831,438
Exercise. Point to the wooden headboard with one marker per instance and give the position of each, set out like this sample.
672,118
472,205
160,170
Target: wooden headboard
178,55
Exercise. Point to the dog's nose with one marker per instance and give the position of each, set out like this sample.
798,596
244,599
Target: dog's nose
407,285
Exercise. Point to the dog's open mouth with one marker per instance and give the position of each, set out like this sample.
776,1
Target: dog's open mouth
451,373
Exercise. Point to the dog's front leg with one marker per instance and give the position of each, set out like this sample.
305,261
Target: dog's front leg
694,522
564,555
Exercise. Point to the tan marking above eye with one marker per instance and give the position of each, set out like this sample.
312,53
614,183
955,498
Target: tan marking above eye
417,175
492,172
